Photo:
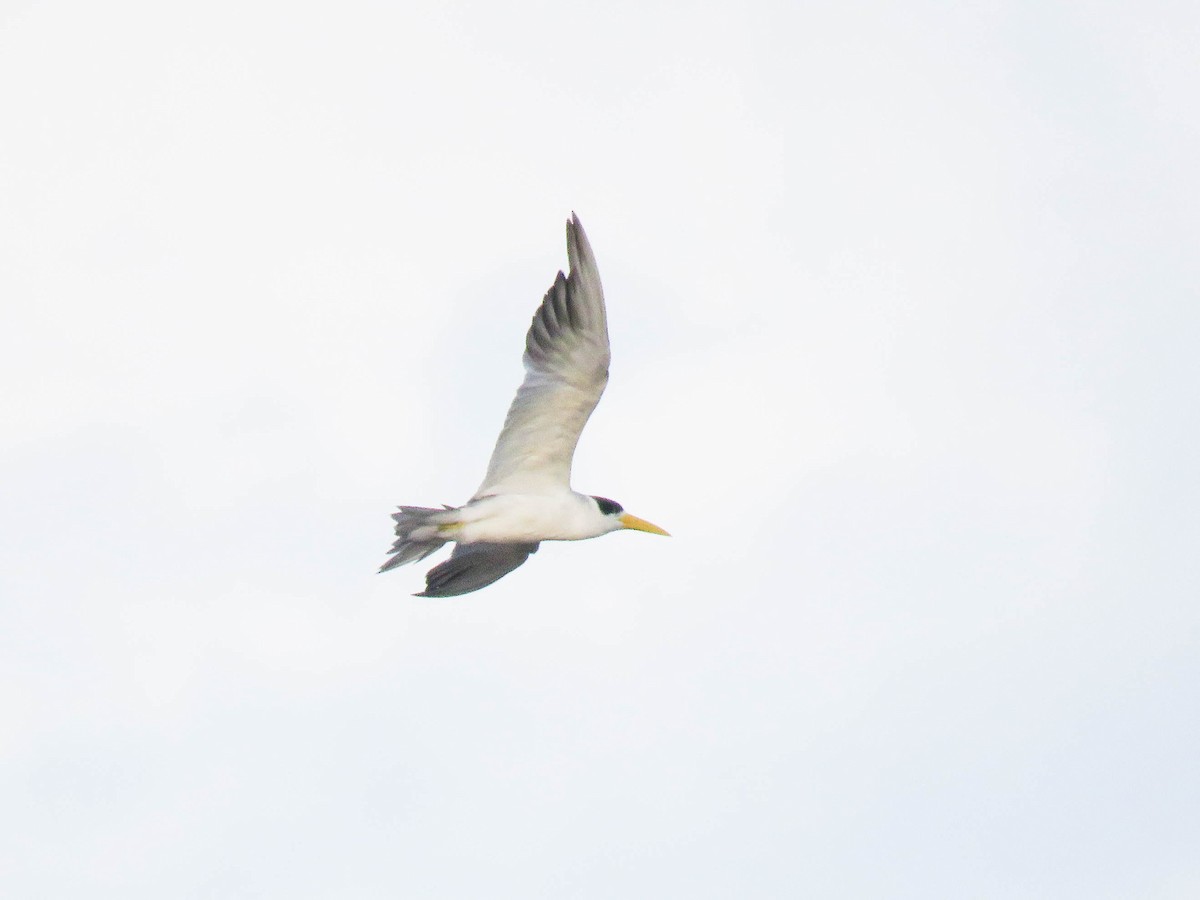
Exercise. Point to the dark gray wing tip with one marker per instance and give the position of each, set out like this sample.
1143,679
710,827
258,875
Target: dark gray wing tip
574,302
579,249
556,314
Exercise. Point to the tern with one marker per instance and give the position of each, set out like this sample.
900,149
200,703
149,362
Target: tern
526,496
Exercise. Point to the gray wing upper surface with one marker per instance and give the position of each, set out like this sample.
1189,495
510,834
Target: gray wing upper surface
474,566
566,369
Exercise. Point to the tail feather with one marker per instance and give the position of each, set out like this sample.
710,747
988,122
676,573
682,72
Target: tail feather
406,548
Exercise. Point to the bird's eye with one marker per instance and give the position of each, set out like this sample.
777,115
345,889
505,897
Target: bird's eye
608,507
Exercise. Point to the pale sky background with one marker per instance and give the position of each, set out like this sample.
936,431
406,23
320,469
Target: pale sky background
903,302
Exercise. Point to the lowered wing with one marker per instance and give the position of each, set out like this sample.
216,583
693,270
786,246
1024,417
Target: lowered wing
474,566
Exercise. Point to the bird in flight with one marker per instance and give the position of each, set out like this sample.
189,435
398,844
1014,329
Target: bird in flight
526,496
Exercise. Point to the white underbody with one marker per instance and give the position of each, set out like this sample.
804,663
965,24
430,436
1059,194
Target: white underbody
525,518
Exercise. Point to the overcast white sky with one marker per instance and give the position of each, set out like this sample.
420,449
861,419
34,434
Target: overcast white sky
903,302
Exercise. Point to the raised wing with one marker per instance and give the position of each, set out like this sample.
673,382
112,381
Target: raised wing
474,566
566,368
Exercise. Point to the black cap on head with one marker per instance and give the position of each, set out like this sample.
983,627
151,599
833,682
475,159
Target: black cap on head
608,507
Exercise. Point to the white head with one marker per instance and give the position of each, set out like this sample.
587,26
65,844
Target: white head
616,517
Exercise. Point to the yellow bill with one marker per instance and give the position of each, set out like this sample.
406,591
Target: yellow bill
635,524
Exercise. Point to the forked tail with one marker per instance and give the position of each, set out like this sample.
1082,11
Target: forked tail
416,534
